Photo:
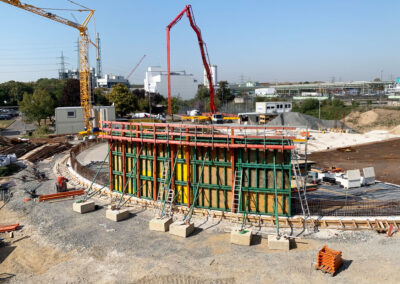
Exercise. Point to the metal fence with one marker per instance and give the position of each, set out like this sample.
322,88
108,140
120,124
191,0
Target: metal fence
322,207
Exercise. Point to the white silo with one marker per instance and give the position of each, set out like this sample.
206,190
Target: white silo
214,75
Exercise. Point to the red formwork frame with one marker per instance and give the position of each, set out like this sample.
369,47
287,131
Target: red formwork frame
123,129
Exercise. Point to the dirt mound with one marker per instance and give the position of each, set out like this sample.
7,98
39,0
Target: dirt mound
368,117
373,119
396,130
303,120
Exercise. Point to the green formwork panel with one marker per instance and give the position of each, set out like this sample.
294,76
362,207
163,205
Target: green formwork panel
208,172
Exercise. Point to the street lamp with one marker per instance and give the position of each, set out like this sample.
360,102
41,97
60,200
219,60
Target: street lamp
319,109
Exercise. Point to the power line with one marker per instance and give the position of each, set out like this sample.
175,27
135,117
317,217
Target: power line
24,64
27,71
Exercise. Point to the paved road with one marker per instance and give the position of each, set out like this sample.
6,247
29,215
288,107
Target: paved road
17,128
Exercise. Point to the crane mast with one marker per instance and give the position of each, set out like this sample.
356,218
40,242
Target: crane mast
84,41
204,55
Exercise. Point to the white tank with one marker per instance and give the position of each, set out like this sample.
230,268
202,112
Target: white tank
214,75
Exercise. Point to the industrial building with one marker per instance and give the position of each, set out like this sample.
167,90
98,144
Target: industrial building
69,120
183,85
109,80
74,74
336,88
265,92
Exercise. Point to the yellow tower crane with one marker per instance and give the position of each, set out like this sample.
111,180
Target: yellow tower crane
84,70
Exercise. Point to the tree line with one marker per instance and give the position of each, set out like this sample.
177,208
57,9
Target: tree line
38,100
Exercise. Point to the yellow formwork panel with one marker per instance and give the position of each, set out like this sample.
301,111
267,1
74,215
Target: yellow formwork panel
181,172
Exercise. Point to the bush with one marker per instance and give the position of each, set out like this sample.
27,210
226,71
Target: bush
330,109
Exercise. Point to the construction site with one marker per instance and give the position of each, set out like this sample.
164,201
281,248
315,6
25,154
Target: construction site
269,196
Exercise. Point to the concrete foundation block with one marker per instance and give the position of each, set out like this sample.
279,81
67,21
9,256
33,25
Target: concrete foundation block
181,230
160,225
83,207
117,215
279,244
241,238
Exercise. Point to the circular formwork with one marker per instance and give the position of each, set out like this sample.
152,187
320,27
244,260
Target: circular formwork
80,175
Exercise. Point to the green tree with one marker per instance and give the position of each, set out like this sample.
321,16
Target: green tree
309,105
12,92
123,100
37,106
143,104
224,93
202,93
100,98
377,85
355,104
53,86
70,94
176,103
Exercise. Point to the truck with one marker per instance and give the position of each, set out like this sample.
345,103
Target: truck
193,112
217,118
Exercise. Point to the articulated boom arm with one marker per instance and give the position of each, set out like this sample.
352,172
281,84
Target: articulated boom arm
84,41
203,51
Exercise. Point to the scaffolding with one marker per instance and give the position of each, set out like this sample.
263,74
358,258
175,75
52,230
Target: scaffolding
205,159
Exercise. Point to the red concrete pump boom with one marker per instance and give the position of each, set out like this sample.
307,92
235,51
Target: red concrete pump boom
203,51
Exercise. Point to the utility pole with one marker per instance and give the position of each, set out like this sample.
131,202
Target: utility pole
98,57
149,94
62,67
319,109
61,72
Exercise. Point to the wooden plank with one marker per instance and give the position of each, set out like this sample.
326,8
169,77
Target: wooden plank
7,228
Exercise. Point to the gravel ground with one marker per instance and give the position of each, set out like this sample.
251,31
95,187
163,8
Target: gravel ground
66,247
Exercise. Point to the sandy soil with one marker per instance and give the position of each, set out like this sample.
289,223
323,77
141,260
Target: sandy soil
66,247
395,130
331,140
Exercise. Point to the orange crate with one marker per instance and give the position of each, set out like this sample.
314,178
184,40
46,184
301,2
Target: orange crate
329,260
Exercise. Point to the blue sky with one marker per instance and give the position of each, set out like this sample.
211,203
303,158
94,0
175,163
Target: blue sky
261,40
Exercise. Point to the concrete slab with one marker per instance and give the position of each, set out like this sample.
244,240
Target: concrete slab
117,215
160,225
279,244
241,238
181,230
83,207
